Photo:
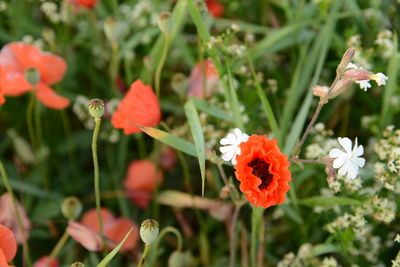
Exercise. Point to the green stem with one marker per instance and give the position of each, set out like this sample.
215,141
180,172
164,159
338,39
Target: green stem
233,235
167,40
256,217
29,120
168,229
144,255
18,215
97,176
114,66
60,244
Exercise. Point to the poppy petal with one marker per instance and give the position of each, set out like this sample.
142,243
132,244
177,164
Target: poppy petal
13,82
90,219
52,68
49,98
84,236
8,245
118,231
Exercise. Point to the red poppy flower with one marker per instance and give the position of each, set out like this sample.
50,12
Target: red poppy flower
262,170
114,229
204,74
141,179
87,3
16,58
8,246
46,261
215,8
140,105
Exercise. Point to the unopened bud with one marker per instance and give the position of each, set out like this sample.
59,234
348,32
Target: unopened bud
32,75
149,230
358,74
71,208
339,87
77,264
165,23
321,91
110,30
346,59
96,108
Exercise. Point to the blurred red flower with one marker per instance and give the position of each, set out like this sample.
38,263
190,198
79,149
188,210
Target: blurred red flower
140,105
16,58
86,3
8,246
141,180
9,218
203,80
167,158
215,8
46,261
262,170
114,229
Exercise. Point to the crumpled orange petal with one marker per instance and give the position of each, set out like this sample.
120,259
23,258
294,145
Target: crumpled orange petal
203,80
46,261
259,148
49,98
142,175
84,236
118,231
140,105
8,245
89,219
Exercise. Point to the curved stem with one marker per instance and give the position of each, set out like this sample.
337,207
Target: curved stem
160,65
168,229
60,244
296,151
97,176
18,215
144,255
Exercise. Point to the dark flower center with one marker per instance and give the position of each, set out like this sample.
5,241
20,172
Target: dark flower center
261,170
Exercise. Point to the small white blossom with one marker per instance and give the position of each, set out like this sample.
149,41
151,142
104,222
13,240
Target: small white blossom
380,78
349,161
397,238
364,84
231,145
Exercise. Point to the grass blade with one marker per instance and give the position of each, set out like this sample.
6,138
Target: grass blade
113,252
197,134
328,201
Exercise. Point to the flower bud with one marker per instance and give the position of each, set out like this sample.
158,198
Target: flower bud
347,57
110,29
357,74
165,23
32,75
339,87
77,264
149,231
96,108
71,208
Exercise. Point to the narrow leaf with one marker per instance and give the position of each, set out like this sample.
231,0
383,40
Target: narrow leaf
197,134
328,201
113,252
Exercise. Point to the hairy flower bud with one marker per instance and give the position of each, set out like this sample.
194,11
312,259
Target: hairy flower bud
96,108
165,23
32,75
110,30
346,59
357,74
339,87
71,208
149,230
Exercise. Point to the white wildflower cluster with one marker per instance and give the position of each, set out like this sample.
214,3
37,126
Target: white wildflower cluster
321,143
387,170
342,183
50,9
348,222
81,111
211,134
29,39
305,257
385,42
236,50
381,209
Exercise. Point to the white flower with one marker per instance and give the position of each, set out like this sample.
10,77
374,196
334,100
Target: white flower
231,145
351,65
380,78
364,84
348,161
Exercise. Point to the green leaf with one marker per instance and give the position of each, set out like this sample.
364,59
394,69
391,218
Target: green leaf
210,110
114,252
328,201
322,249
197,134
169,139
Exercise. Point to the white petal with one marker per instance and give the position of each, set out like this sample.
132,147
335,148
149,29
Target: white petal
358,151
352,171
225,149
360,162
245,137
344,169
337,163
234,159
228,156
346,144
336,153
